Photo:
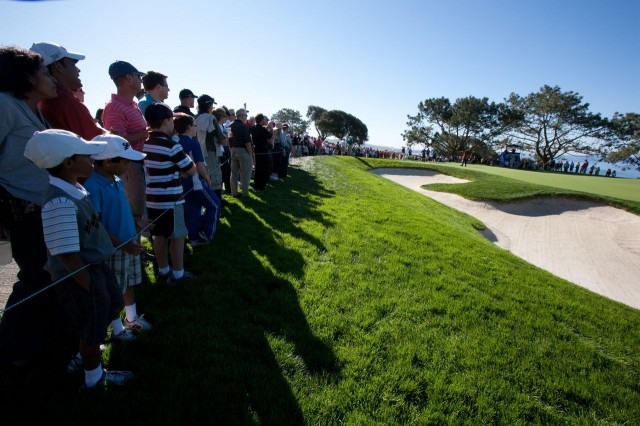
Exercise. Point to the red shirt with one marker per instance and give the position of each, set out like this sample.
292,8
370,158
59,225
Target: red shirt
124,116
68,113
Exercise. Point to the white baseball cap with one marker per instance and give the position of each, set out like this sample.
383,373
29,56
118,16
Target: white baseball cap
117,146
52,52
50,147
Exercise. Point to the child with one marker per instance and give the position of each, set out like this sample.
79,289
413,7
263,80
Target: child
75,238
164,163
197,188
108,197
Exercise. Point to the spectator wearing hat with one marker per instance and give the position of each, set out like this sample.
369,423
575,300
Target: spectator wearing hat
165,162
187,101
241,154
66,111
77,244
211,138
156,89
122,116
110,202
24,82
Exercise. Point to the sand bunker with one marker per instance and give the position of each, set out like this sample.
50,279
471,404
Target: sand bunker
594,246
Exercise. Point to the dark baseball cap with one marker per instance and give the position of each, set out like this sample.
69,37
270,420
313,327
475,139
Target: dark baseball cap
157,112
121,68
185,93
206,100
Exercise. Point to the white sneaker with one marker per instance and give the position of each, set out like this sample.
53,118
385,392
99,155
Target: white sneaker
138,324
110,377
126,336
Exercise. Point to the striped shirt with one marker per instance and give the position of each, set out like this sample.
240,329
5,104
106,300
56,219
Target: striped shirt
59,219
124,116
164,161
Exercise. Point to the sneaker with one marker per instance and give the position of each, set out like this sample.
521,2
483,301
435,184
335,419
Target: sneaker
145,256
75,364
110,377
186,277
198,242
165,277
126,336
138,324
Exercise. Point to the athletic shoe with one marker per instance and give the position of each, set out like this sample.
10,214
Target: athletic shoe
110,377
126,336
145,256
164,277
186,277
198,242
138,324
75,364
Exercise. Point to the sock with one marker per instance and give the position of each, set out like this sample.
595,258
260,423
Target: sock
131,312
91,377
177,274
165,270
117,326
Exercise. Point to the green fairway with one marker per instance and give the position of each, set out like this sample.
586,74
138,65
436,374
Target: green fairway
624,189
338,297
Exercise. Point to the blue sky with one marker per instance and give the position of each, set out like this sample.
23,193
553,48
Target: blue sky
373,59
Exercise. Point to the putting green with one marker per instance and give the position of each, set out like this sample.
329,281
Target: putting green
625,189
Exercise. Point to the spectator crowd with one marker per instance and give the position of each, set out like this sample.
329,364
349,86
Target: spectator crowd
79,191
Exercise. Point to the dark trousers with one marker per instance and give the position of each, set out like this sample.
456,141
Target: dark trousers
284,164
263,169
25,330
194,201
276,155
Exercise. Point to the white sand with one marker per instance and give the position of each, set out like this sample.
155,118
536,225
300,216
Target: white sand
594,246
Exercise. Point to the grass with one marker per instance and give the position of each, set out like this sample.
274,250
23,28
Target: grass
338,297
501,184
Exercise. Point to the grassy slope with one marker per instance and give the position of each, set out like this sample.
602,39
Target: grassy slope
342,298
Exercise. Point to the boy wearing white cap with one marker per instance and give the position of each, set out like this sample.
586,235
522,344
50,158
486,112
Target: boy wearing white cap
77,242
108,197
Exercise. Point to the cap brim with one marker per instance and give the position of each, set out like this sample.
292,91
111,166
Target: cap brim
92,148
76,56
133,155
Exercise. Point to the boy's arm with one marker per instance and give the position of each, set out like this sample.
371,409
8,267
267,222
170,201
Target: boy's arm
202,171
72,262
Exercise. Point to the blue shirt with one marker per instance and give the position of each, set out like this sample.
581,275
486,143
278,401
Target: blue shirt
145,102
193,150
111,203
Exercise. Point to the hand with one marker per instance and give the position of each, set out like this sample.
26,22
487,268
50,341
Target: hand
133,248
142,222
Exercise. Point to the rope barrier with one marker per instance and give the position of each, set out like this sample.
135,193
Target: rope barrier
70,274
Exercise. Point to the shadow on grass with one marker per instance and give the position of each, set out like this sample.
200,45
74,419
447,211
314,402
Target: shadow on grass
227,348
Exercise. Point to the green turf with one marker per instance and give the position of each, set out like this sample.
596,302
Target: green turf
625,189
339,297
500,184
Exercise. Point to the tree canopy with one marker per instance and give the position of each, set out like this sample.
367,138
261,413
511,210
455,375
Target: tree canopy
552,122
337,123
468,124
293,118
625,144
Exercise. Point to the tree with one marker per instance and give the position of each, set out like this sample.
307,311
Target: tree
552,122
338,123
313,114
469,124
293,119
625,143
